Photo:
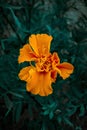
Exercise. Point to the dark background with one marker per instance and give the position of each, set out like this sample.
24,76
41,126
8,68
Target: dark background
66,21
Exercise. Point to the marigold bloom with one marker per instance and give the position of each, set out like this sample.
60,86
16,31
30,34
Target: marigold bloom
39,77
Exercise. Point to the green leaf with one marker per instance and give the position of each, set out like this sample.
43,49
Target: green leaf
82,110
78,128
59,119
46,112
16,94
2,45
8,104
5,5
18,111
71,110
51,115
67,121
44,126
17,22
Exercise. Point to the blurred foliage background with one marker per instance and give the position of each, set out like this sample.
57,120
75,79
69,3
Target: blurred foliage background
66,21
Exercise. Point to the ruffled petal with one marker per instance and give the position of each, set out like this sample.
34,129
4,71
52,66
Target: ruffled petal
65,69
46,87
33,43
55,60
39,83
40,43
24,73
26,54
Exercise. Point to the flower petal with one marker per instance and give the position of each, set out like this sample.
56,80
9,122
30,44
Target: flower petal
46,88
39,83
33,43
40,43
53,75
24,73
65,69
55,60
26,54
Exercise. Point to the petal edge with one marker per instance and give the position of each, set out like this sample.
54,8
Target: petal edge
65,69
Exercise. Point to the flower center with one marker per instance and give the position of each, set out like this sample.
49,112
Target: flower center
44,64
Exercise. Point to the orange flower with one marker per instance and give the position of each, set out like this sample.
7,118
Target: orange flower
39,77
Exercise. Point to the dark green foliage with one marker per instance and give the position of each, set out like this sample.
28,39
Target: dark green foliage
66,108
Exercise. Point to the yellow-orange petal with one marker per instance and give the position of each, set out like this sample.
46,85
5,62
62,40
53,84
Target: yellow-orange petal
40,43
33,43
24,73
65,69
26,54
55,60
39,83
